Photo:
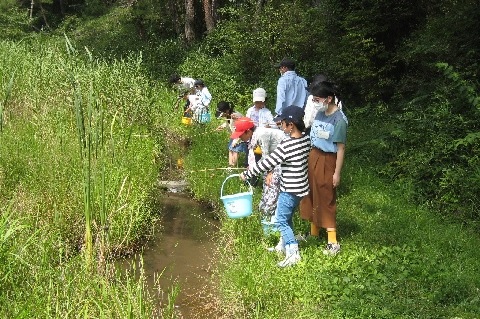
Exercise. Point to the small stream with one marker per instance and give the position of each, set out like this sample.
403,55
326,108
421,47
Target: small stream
183,252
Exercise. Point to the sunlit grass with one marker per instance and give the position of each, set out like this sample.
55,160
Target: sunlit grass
398,260
78,162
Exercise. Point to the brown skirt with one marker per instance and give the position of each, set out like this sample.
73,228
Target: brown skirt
320,205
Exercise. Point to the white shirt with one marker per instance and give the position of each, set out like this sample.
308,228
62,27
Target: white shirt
262,117
195,103
205,96
186,83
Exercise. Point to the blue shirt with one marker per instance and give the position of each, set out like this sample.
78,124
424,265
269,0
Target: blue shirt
328,130
291,90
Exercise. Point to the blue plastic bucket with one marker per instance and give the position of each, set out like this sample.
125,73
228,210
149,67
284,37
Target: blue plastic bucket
237,205
204,118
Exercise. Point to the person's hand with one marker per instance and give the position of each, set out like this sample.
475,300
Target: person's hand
235,142
242,177
336,180
268,178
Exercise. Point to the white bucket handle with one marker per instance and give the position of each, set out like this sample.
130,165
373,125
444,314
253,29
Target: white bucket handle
234,175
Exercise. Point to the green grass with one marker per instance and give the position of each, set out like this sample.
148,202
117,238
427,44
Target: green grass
79,149
38,281
398,260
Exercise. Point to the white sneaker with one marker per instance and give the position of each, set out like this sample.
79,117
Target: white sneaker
292,256
332,249
279,248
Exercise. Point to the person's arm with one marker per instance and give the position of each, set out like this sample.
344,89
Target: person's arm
249,113
236,116
267,118
265,164
222,126
310,112
338,164
281,88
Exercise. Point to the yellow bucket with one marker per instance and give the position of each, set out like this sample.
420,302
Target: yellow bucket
180,163
187,120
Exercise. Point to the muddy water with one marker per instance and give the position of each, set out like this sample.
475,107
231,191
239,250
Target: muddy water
183,254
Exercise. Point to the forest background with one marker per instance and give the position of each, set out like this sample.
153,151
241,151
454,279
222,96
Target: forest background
410,66
408,77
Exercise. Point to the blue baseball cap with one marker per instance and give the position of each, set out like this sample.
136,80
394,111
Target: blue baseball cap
292,113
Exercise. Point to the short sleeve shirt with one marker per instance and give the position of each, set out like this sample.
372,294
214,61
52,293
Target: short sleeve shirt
328,130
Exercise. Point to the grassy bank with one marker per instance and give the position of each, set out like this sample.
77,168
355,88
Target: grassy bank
398,260
80,144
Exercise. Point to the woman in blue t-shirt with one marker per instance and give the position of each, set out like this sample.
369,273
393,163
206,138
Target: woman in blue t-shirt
328,137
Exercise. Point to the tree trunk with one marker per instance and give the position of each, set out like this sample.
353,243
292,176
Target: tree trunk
214,10
61,7
208,8
44,16
42,12
189,21
173,10
259,9
32,3
260,4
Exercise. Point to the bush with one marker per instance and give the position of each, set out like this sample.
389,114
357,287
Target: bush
434,145
14,24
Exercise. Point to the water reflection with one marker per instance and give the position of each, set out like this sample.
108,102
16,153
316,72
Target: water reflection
183,253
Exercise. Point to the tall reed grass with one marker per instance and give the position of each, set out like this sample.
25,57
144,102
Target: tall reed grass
4,101
78,162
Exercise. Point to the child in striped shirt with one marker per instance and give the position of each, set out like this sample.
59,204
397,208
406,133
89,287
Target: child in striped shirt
292,155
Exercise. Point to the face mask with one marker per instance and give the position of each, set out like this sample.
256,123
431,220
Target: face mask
320,107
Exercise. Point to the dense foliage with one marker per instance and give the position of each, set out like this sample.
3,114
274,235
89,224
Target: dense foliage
411,67
408,74
78,163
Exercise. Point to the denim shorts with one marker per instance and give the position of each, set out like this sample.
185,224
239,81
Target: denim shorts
239,148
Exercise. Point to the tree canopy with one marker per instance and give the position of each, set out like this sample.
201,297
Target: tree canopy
411,67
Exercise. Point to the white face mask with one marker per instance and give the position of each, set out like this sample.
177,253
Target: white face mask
320,107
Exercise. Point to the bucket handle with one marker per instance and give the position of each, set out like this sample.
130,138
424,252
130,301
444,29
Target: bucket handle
228,177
